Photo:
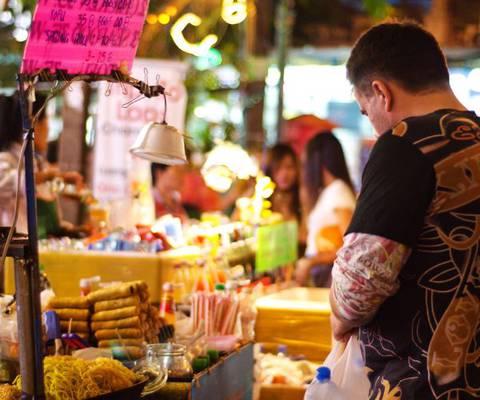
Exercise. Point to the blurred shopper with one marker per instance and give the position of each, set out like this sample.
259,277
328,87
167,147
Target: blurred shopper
167,184
10,146
408,273
197,197
329,198
283,169
11,138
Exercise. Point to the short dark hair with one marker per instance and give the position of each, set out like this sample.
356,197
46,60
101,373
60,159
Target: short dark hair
154,167
401,51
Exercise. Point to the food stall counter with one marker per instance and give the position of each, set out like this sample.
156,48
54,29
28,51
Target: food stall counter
64,269
298,318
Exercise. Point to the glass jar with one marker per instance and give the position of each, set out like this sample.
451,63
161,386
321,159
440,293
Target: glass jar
155,374
173,358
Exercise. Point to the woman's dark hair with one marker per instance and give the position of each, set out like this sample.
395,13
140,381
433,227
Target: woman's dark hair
11,130
324,151
276,155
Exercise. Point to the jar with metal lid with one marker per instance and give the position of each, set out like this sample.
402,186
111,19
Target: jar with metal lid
172,357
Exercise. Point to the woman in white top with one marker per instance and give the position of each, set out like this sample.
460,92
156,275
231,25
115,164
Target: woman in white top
329,201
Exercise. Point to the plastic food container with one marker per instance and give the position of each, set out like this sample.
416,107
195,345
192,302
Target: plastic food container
222,343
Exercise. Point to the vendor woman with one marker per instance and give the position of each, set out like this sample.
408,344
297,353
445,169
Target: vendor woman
329,198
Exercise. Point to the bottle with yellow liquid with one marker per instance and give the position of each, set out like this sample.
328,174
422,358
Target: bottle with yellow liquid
167,311
179,283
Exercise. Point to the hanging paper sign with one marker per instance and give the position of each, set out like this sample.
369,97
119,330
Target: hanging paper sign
117,176
84,36
276,246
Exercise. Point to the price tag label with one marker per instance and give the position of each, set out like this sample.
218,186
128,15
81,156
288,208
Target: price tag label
84,36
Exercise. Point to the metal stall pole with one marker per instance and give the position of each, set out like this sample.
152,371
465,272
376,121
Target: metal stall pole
27,276
284,17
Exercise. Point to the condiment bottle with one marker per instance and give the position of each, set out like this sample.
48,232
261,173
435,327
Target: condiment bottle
179,283
202,283
85,287
167,305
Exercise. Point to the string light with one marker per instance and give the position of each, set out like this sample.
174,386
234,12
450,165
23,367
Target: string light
198,49
163,18
234,11
152,19
225,163
171,11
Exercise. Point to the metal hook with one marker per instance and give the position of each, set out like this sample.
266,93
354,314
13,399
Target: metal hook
68,81
145,74
120,78
124,88
108,91
133,101
165,108
56,85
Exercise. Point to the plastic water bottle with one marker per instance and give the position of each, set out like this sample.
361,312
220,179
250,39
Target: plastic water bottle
282,350
322,388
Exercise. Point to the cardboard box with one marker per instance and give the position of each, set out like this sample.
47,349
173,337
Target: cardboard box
281,392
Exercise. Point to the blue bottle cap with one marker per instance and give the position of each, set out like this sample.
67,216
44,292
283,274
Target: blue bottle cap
323,374
282,348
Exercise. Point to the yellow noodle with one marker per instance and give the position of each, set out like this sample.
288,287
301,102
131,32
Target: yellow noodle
69,378
9,392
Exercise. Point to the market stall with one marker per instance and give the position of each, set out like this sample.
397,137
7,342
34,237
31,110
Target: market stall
212,286
65,269
159,309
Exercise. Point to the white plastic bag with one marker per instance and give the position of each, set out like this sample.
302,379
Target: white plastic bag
347,367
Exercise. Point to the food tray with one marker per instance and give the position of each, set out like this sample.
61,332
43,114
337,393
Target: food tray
131,393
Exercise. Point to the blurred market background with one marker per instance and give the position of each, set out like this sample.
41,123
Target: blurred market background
241,76
232,89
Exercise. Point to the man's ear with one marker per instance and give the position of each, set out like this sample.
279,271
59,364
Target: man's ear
382,90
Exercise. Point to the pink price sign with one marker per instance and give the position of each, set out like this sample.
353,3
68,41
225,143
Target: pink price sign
84,36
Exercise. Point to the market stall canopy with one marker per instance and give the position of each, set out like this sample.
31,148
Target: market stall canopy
301,129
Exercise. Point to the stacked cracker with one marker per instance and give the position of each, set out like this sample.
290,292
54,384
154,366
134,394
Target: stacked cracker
73,313
123,317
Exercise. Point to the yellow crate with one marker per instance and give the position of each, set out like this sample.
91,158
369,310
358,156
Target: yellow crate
64,269
298,318
281,392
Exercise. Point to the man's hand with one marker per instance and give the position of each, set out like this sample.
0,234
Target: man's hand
342,330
